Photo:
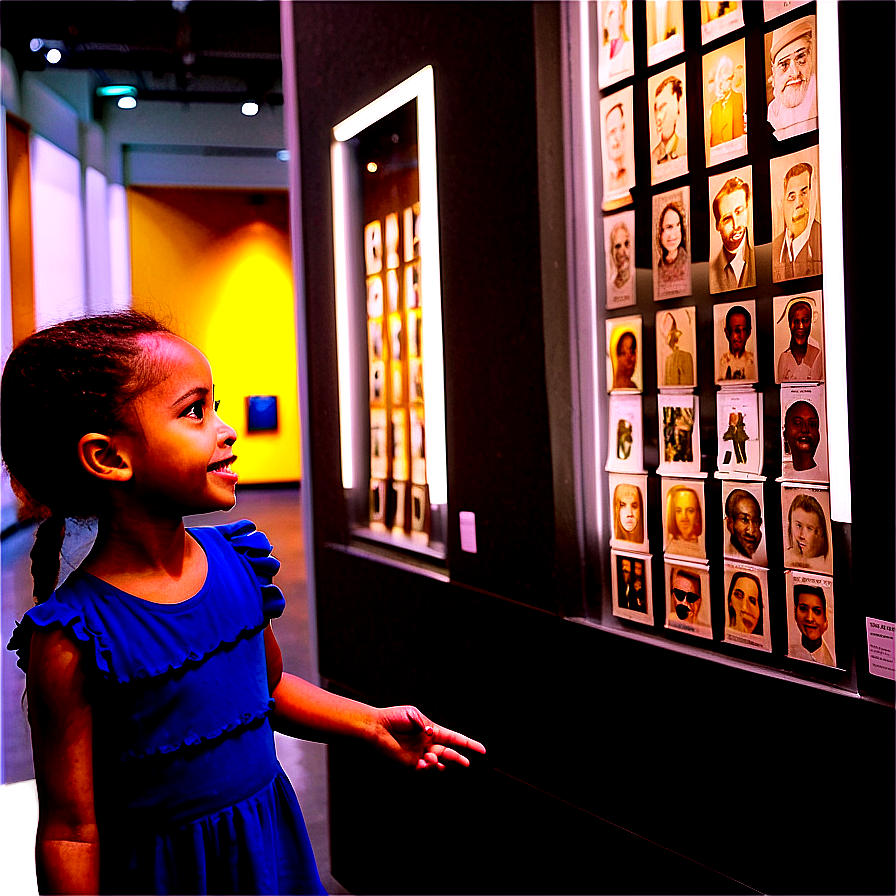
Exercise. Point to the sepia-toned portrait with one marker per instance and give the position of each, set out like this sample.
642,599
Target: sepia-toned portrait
799,338
739,429
628,494
684,533
671,244
676,348
732,263
734,343
665,30
805,521
743,532
725,103
617,148
746,602
616,59
719,17
790,78
624,366
687,599
679,424
810,618
796,216
379,459
668,117
804,434
632,586
619,239
625,453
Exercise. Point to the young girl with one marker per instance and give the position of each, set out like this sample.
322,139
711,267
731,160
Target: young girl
154,680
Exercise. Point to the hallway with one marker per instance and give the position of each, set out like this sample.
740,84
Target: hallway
278,513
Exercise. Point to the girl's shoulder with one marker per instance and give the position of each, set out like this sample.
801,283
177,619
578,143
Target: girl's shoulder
134,638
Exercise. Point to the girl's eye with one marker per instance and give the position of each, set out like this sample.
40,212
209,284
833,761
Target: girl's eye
195,410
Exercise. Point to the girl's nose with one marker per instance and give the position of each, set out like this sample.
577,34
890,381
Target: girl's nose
226,433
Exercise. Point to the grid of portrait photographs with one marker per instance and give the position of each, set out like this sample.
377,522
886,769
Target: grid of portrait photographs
698,76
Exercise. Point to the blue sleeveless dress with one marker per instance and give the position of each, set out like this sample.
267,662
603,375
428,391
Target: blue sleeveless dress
190,797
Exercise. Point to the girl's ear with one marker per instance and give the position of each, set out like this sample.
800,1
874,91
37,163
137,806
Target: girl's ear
101,457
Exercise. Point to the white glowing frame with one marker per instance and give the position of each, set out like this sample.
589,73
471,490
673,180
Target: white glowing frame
419,87
831,179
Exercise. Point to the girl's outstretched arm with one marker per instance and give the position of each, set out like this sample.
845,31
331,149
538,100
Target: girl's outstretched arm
401,732
68,845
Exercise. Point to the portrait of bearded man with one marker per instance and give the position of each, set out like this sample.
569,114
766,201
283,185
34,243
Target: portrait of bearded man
794,107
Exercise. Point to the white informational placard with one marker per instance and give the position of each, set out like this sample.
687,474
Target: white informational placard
881,647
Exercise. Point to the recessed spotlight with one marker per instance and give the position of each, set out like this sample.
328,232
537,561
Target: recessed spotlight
127,102
53,56
36,44
371,167
249,108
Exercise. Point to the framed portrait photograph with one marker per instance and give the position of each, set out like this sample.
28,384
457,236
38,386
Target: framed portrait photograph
379,455
796,216
804,434
790,78
771,9
746,602
740,431
805,521
743,528
400,471
418,447
799,338
725,103
684,529
624,363
720,18
377,382
668,118
619,241
616,59
810,618
687,598
625,453
732,262
628,497
671,244
665,30
632,586
617,148
735,343
679,436
676,348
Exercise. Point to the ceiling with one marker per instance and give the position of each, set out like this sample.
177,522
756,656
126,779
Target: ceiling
198,51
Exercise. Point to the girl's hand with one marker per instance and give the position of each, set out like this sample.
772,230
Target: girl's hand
406,735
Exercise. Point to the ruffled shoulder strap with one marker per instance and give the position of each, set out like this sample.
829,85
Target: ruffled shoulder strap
254,546
53,613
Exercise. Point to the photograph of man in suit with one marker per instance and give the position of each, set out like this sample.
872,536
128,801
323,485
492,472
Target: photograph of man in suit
738,363
801,361
796,251
734,266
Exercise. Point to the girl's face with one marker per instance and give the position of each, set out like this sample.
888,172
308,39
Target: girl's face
177,449
670,231
805,529
745,600
629,507
686,508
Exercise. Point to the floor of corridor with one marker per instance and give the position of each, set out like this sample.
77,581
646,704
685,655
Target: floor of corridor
277,512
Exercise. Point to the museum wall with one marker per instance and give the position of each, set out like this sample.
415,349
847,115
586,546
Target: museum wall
615,763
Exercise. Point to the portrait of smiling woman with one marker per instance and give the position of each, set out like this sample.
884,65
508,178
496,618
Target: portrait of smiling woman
672,260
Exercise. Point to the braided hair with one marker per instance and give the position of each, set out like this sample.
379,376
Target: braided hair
58,384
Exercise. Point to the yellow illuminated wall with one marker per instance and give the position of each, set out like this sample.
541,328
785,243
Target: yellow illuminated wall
215,265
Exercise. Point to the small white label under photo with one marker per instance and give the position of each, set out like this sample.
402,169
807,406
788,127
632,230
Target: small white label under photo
881,650
468,531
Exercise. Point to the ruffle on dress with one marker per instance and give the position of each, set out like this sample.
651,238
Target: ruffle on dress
161,638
